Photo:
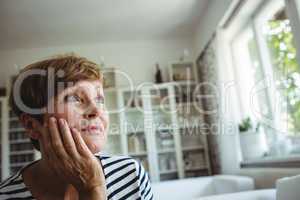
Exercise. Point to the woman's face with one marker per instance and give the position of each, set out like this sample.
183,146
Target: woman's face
82,106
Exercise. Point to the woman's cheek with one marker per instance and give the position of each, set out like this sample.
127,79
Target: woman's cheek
74,119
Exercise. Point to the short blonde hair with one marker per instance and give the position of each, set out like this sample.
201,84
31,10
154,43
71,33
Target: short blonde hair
34,88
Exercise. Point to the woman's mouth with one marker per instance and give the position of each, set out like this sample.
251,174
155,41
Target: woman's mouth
91,128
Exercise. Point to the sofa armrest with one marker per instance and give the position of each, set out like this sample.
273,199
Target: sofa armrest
288,188
231,184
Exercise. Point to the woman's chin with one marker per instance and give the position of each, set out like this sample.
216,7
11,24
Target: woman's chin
96,147
95,143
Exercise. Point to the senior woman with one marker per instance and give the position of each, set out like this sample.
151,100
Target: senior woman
60,103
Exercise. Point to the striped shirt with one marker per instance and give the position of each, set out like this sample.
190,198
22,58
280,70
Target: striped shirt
125,179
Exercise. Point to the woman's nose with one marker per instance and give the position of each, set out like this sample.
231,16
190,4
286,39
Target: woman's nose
92,111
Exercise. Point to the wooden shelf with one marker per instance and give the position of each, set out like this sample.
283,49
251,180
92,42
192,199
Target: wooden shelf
138,154
193,148
195,169
171,171
16,130
159,129
139,130
19,164
134,110
187,82
18,141
13,119
21,152
166,151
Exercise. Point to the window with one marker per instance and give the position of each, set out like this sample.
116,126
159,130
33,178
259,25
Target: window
279,38
267,71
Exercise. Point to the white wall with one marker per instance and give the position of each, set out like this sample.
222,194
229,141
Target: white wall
208,23
230,156
137,58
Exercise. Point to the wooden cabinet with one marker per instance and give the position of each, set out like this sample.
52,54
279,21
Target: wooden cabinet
161,126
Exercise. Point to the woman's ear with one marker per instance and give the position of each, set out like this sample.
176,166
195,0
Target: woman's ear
31,125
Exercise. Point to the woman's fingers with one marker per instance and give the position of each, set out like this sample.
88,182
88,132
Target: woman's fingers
55,139
61,142
80,144
67,139
45,139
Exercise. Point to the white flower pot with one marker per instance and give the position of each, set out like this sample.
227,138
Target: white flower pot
253,145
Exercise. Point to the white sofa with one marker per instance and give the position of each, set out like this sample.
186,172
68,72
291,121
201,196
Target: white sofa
225,188
194,188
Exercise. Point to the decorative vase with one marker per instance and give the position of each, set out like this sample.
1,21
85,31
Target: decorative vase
158,76
253,145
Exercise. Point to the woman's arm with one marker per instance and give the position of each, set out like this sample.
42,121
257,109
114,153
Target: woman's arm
144,183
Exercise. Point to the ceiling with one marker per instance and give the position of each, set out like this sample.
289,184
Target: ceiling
35,23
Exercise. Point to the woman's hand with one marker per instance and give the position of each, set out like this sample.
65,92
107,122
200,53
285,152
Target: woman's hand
70,158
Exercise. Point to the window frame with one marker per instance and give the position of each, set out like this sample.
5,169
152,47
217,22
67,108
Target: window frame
264,11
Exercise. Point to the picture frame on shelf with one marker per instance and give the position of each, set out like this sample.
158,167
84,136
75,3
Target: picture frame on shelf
109,77
182,71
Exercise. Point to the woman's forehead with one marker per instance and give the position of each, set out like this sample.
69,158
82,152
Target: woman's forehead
86,85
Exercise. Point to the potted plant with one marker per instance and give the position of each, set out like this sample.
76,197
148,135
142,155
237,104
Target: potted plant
252,140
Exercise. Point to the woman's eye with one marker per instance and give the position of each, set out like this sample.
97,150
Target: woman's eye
72,98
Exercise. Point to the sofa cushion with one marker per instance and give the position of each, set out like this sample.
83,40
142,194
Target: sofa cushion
189,188
229,184
269,194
